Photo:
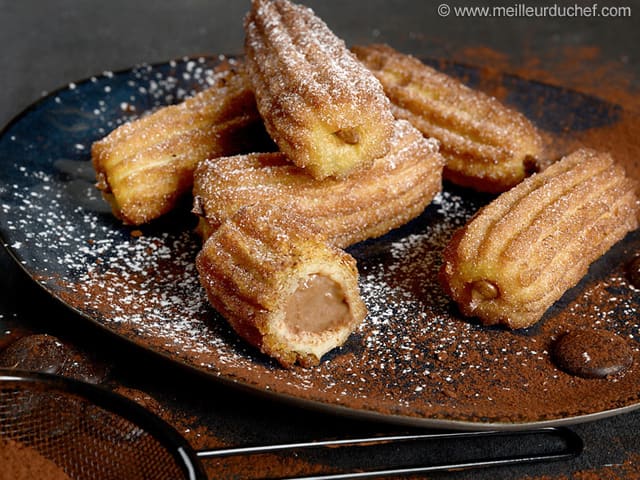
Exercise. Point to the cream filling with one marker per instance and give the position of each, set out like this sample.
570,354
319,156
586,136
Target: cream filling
318,305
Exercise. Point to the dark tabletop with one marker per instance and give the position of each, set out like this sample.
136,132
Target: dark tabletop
47,44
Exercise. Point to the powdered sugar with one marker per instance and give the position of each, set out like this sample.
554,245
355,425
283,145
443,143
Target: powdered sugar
413,357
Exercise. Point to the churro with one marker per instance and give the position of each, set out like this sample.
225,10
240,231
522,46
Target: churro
521,252
488,146
280,285
367,204
143,167
322,107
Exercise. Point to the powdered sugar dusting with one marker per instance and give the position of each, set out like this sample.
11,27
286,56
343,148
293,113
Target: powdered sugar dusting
308,55
63,230
413,357
307,84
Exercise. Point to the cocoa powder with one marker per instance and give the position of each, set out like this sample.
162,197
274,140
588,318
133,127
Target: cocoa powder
584,68
414,359
19,462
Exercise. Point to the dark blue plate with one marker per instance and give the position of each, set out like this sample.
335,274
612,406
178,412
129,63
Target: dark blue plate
413,361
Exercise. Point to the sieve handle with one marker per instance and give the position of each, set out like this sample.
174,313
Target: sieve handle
571,448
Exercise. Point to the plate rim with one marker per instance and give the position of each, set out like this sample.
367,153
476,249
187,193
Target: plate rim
232,382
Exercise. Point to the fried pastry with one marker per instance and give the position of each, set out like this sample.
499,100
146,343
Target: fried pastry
487,146
369,203
522,251
145,166
280,285
322,107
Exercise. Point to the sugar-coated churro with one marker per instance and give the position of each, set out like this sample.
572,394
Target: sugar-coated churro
322,107
487,146
280,285
143,167
521,252
394,190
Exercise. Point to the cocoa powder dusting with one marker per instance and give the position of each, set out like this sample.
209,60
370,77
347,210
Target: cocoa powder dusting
619,138
415,358
19,462
584,68
203,437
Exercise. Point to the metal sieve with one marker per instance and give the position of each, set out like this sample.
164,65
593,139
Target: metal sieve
92,433
89,432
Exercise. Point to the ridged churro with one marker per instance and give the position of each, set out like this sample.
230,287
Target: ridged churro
145,166
521,252
488,146
395,189
280,285
322,107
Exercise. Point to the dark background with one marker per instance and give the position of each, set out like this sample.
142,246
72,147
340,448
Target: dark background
47,44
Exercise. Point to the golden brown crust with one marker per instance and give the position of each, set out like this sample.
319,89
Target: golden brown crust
487,146
145,166
253,264
323,108
367,204
521,252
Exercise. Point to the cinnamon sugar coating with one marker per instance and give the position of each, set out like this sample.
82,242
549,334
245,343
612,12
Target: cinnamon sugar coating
145,166
255,265
487,146
322,107
525,249
367,204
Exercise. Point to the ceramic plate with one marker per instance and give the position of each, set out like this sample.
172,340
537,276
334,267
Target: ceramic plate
414,360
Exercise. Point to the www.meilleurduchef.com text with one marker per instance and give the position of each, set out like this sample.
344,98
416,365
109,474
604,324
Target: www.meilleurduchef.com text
530,11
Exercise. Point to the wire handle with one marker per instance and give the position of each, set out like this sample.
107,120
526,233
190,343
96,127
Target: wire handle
572,447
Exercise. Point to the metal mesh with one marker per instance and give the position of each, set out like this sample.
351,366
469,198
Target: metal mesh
83,439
